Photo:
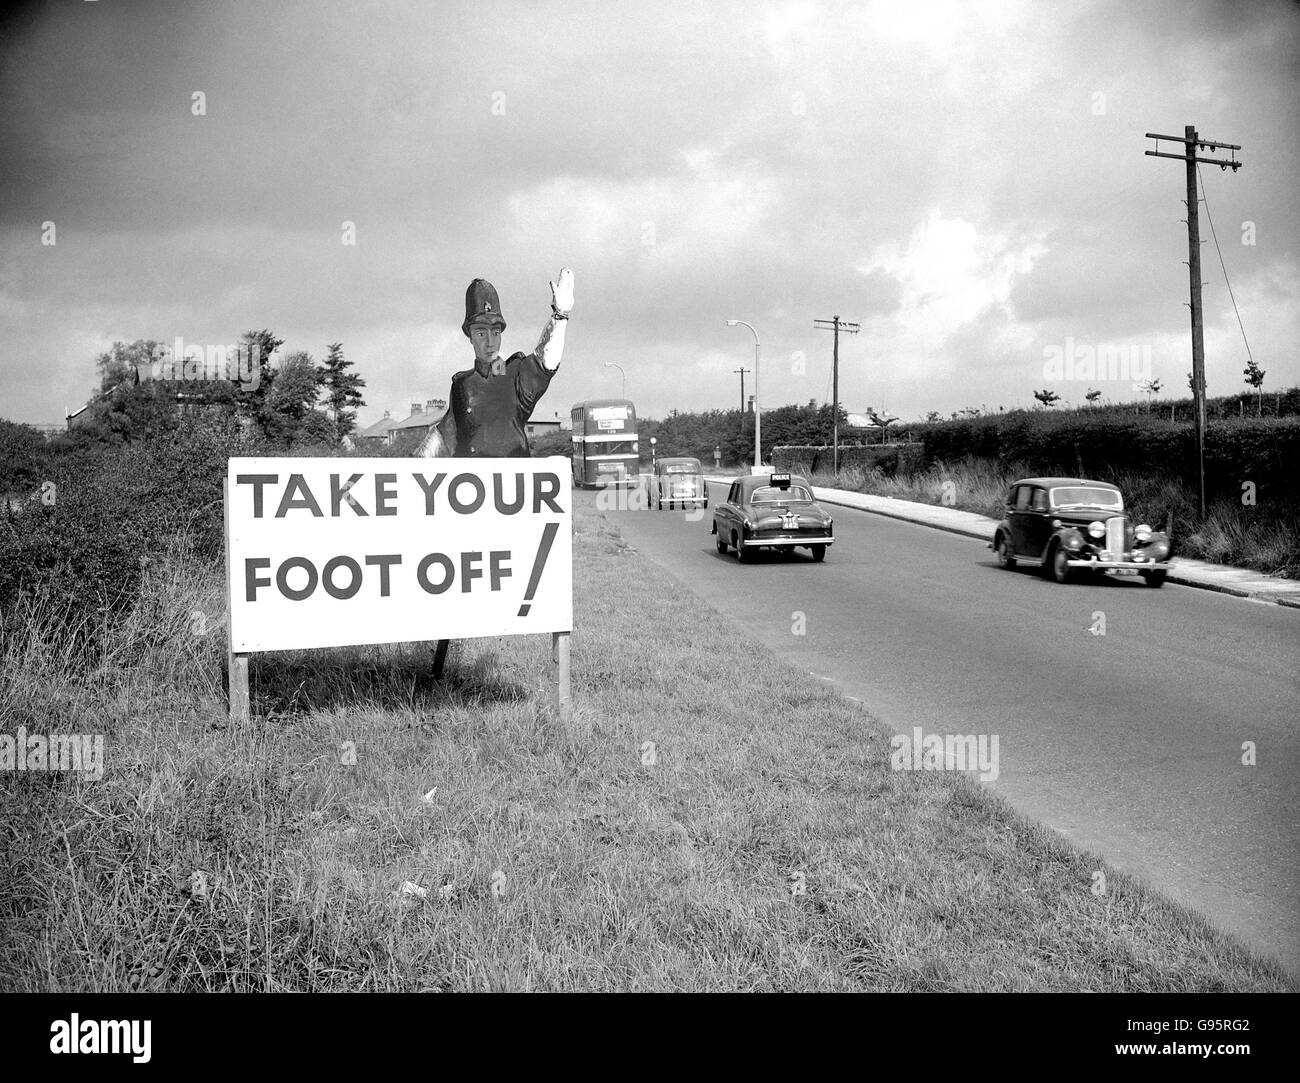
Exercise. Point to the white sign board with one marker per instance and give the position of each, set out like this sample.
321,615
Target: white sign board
337,551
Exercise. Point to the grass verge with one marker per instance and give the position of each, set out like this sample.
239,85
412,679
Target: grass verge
710,820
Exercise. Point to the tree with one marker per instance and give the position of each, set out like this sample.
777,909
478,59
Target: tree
1092,395
261,345
23,457
1151,387
1255,377
1047,397
285,407
121,363
342,390
933,416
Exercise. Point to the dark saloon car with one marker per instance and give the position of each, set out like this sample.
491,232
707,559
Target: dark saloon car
1070,525
771,511
679,480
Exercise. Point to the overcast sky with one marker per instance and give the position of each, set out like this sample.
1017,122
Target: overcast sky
966,180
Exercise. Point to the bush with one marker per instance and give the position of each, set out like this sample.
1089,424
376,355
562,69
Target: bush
1104,445
888,459
115,509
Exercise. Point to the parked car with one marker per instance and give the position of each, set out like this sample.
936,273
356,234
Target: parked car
1071,525
679,479
775,511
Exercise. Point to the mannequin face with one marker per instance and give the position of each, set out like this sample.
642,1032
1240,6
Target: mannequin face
486,340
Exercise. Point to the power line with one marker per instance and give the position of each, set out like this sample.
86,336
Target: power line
1213,234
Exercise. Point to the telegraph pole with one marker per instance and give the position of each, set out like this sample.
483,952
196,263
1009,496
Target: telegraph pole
742,370
1191,144
837,325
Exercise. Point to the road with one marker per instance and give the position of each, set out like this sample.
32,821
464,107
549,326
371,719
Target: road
1130,743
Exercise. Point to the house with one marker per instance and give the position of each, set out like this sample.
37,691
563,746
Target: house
542,426
378,432
415,428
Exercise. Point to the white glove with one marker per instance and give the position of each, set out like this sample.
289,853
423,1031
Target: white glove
562,292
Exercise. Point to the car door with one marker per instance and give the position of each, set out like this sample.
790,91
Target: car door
727,514
1037,523
1018,516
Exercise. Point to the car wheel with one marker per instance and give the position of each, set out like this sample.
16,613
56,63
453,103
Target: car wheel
1003,552
1155,578
1059,562
819,553
661,503
741,555
722,545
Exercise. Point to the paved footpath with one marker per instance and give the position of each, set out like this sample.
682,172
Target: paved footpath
1193,573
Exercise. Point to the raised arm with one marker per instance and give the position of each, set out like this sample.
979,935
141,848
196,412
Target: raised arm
550,347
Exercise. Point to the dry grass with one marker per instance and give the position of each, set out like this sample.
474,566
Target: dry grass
259,859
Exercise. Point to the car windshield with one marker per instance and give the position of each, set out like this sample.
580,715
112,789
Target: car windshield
681,468
1080,497
769,494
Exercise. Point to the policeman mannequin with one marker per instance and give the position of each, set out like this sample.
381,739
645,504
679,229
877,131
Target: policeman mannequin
491,402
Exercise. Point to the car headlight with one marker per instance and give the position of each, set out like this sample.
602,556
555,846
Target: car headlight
1072,539
1142,533
1158,550
1096,529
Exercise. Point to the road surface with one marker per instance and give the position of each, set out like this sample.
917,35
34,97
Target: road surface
1130,743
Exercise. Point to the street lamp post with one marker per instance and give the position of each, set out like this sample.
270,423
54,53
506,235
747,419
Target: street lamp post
758,446
615,364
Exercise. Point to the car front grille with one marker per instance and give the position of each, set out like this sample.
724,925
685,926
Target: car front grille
1115,537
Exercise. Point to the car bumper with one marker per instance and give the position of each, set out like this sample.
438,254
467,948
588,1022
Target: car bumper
788,541
1122,565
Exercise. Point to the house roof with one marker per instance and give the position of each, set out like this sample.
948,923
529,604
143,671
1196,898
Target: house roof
379,428
421,420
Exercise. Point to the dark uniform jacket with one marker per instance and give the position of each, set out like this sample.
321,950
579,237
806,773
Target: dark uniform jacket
489,411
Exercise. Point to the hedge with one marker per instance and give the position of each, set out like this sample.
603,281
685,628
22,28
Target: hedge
889,459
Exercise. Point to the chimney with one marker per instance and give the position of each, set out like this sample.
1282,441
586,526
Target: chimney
387,415
416,408
432,405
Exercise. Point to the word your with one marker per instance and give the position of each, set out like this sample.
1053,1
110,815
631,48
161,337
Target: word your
465,494
952,752
56,752
1084,362
77,1035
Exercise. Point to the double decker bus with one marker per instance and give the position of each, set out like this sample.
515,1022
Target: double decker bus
605,448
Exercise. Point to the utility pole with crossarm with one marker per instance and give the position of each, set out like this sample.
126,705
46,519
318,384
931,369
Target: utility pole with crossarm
837,325
1191,144
742,370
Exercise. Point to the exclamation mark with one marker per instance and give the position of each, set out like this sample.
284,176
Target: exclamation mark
543,551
